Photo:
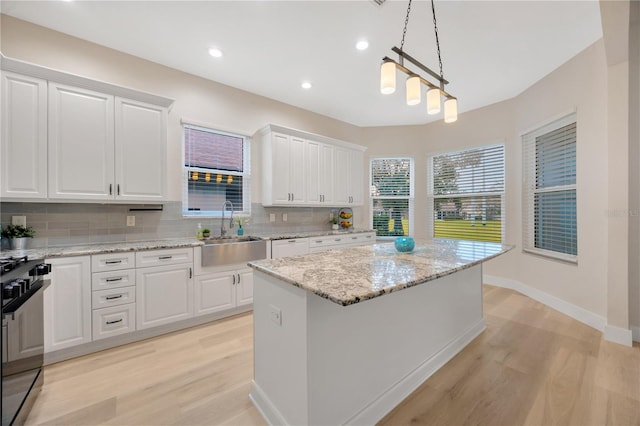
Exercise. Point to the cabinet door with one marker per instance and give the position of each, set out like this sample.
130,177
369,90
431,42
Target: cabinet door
280,178
214,292
67,303
356,177
327,171
164,294
286,248
314,172
140,151
342,184
244,287
24,137
81,144
297,173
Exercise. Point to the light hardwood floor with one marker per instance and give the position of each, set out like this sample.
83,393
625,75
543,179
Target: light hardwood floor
532,366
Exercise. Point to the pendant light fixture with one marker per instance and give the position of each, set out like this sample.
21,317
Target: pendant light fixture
414,81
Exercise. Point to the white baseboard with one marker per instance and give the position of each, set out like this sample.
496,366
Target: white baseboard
264,405
618,335
393,396
613,334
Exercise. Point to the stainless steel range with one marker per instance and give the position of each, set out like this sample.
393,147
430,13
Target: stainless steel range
22,282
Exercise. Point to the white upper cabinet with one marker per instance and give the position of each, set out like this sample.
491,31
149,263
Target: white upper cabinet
140,151
24,137
349,180
69,138
81,144
302,169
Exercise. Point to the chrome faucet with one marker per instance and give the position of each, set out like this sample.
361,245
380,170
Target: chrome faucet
223,231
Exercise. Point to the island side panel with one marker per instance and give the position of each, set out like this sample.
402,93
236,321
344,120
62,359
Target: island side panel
280,351
365,358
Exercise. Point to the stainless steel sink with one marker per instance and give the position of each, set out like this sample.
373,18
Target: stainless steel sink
230,250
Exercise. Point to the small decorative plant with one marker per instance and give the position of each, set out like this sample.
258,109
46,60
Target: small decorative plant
242,221
206,232
334,221
18,231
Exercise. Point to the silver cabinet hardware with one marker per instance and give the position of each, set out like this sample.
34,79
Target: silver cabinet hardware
234,279
110,189
190,273
238,278
291,241
118,189
111,280
114,322
164,257
113,262
114,297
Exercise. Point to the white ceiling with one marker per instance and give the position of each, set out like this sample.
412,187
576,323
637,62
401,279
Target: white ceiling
491,50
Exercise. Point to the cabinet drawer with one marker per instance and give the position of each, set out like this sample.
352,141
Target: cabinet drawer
113,297
164,257
114,320
331,240
112,261
292,247
115,279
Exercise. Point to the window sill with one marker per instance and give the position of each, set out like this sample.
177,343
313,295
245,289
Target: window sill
568,258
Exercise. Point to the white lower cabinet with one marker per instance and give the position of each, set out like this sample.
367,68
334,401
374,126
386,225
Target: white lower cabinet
219,291
290,247
113,321
67,303
164,294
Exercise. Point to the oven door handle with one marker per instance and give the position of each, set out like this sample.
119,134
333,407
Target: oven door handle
11,310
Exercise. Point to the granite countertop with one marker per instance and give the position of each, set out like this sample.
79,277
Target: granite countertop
306,234
352,275
100,248
88,249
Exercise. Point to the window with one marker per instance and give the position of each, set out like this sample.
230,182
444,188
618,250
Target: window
392,196
216,170
466,191
549,190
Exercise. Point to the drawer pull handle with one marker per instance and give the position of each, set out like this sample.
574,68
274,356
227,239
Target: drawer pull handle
338,239
165,257
114,321
113,262
111,280
319,241
291,241
354,238
114,297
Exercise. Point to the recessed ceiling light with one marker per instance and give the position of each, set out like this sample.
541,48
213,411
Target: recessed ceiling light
362,45
215,52
306,85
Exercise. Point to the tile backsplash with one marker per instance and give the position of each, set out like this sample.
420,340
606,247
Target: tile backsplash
62,224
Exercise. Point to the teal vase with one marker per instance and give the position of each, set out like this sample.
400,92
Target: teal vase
240,230
404,244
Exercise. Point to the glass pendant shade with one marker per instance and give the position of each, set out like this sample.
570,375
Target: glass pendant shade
450,110
413,90
387,78
433,101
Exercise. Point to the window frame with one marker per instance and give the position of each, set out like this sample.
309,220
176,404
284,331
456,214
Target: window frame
528,207
410,197
431,196
245,174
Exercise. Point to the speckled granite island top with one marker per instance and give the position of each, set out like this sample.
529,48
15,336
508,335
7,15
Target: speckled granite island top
356,274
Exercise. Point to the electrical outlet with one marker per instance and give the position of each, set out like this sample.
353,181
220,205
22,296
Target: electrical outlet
284,217
275,314
131,221
19,220
272,217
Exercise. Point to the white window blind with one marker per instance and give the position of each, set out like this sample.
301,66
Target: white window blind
466,189
549,190
216,169
392,196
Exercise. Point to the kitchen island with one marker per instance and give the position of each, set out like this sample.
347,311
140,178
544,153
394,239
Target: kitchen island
343,336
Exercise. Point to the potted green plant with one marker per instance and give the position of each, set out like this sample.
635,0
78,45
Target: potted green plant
17,235
206,232
334,222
